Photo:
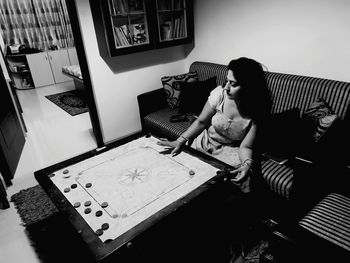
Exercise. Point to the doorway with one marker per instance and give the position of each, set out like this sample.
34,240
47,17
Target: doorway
50,130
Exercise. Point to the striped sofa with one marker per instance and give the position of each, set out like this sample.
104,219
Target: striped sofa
330,220
288,92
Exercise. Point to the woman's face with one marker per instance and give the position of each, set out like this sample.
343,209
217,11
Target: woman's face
231,87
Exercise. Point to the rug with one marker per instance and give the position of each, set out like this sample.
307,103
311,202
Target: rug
73,102
54,238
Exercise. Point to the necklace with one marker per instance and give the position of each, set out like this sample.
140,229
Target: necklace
228,125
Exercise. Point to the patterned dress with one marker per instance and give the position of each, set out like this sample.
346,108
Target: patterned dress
223,137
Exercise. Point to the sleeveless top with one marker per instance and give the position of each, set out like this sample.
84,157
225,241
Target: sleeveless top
223,129
224,135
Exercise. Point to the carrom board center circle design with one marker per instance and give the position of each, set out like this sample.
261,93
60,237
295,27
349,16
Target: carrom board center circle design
135,175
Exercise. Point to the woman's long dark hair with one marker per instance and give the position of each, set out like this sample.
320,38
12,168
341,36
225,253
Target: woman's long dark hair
254,99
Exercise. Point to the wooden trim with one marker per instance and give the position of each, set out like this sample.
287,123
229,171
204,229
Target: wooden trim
73,16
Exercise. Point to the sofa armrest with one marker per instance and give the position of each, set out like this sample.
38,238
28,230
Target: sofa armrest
151,101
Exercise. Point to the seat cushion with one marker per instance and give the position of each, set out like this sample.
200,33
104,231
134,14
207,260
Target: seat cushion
159,123
279,177
330,219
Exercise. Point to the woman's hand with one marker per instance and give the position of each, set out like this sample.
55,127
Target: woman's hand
175,145
240,173
241,177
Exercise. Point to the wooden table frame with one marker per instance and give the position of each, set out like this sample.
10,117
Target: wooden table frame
99,249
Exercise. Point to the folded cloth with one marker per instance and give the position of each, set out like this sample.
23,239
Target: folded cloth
73,70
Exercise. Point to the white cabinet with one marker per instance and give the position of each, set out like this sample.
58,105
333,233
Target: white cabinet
58,59
73,56
40,69
46,67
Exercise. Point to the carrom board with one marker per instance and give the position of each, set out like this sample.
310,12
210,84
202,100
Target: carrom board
118,189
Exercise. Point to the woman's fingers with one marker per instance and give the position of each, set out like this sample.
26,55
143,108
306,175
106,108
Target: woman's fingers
173,144
163,142
176,151
237,175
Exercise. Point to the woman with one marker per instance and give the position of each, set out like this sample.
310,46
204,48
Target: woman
228,126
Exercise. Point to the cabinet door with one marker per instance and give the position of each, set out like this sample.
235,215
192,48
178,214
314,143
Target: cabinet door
73,56
58,59
174,22
39,66
127,26
11,136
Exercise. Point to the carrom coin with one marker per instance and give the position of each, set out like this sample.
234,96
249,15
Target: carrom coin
66,174
104,204
98,213
99,232
105,226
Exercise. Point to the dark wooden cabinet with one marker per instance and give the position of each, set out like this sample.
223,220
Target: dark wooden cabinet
137,25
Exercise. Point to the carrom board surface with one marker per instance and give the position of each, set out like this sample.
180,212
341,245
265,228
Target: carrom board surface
120,188
132,180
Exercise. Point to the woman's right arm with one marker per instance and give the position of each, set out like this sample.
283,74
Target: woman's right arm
193,131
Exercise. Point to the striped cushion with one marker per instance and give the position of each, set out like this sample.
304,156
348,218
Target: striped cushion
206,70
159,122
278,177
330,219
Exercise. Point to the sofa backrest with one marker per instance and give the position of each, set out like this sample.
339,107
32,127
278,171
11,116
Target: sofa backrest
295,91
289,91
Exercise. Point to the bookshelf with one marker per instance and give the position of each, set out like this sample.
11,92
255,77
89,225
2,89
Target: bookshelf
19,70
137,25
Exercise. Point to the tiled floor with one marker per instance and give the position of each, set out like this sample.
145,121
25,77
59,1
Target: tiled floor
53,135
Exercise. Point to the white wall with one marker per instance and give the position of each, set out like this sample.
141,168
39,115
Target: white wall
116,81
305,37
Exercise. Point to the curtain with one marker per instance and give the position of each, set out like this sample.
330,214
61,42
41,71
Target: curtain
41,24
54,22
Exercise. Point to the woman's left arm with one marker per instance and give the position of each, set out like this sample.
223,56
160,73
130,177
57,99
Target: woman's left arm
245,154
246,147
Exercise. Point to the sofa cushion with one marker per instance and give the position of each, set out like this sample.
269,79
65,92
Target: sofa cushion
330,220
171,85
194,95
278,177
286,134
321,116
159,123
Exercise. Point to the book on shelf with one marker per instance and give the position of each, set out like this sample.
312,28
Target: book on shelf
121,38
126,32
178,27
